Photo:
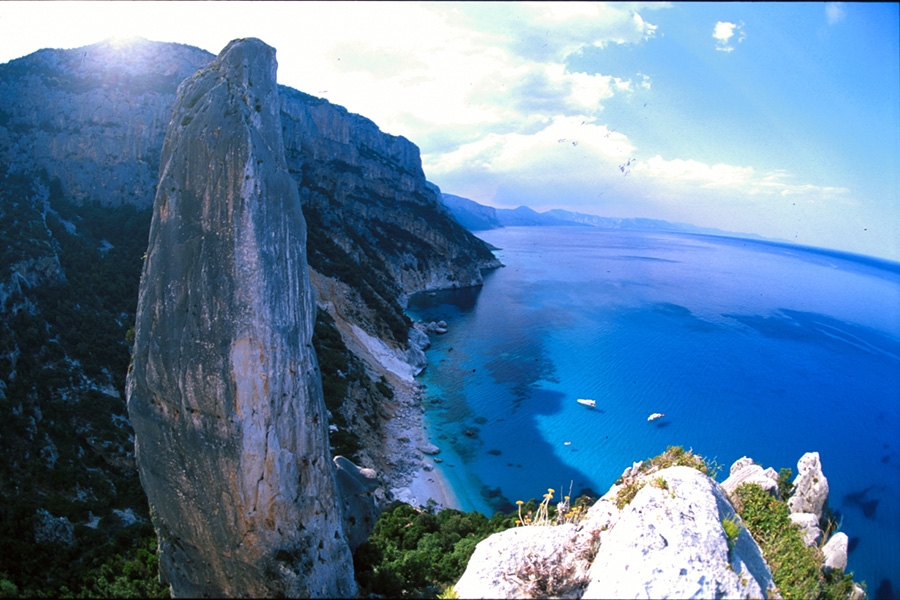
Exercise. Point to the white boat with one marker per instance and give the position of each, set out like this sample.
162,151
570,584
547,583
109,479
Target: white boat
655,416
587,402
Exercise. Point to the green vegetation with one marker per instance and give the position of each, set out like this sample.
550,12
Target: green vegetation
364,272
340,369
65,434
796,569
413,553
732,529
785,486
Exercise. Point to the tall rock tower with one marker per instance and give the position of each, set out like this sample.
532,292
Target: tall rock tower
224,394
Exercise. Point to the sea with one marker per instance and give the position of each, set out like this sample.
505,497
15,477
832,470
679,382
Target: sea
749,348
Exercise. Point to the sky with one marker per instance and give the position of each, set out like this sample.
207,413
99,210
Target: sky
779,119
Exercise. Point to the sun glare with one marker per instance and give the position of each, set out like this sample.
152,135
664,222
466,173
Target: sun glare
121,41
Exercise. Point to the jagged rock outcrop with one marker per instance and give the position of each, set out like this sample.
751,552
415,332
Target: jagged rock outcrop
668,542
95,117
835,552
744,470
809,525
810,493
224,396
356,487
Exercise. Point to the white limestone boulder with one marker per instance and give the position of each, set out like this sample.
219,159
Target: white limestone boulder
809,525
669,543
835,552
810,486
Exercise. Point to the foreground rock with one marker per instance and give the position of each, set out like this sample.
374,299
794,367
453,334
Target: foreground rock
224,396
668,542
657,533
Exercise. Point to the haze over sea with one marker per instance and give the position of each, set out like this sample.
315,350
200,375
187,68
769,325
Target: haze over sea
750,349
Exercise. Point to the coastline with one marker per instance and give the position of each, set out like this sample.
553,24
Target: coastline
415,478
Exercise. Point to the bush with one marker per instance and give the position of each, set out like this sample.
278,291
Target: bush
413,553
796,569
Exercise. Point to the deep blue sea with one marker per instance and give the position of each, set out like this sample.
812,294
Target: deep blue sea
749,348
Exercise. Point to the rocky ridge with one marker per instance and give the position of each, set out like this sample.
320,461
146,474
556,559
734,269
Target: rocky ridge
94,117
669,540
225,396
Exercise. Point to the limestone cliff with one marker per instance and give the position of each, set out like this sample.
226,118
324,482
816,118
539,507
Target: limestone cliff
95,117
224,396
372,211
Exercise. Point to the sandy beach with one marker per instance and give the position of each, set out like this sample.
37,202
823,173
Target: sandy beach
415,477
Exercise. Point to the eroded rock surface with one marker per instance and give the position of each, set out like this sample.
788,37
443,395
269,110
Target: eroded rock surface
669,543
810,486
224,396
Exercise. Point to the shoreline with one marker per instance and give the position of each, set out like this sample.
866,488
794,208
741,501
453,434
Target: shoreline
414,477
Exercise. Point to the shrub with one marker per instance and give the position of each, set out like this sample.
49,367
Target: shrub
732,529
795,568
414,553
674,456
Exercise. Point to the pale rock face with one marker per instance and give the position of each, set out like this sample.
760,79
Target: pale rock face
740,464
809,524
96,116
669,543
810,486
528,562
751,473
516,563
835,552
224,395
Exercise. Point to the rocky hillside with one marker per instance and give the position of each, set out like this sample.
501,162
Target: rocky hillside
81,134
666,529
94,117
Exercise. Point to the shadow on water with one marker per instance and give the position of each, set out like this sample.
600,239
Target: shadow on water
444,304
885,591
528,447
819,329
864,500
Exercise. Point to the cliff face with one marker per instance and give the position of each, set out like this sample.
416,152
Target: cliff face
85,126
94,117
224,396
368,204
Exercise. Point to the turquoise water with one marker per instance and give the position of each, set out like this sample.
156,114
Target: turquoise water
749,348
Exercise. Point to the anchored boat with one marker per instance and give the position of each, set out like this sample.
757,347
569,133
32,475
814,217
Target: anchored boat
587,402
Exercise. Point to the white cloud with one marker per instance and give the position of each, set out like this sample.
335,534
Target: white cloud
724,31
834,12
736,180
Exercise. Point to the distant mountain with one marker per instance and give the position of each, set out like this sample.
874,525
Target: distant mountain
477,217
527,217
470,214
